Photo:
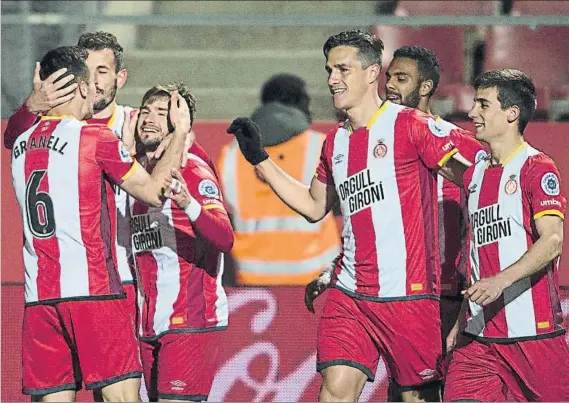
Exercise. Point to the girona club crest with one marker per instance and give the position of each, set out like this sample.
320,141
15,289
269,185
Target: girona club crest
380,150
511,185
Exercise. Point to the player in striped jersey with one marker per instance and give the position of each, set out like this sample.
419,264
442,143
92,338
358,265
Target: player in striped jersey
513,344
179,254
75,326
380,163
411,80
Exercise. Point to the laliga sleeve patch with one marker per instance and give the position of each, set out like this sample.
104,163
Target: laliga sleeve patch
550,184
480,156
436,129
208,189
123,152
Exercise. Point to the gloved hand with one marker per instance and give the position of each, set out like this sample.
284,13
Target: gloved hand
248,136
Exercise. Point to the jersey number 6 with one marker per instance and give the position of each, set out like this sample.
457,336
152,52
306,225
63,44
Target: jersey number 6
39,207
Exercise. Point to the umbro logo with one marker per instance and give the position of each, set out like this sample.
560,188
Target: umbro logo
472,189
338,159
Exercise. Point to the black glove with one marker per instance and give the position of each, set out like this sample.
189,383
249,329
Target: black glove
248,136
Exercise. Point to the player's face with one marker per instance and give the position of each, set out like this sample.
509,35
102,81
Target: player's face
402,82
347,81
102,63
489,119
89,93
152,125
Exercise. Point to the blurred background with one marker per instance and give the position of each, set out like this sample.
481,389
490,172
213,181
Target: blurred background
226,51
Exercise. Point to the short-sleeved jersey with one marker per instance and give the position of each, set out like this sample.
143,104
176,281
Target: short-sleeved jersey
122,199
504,202
383,175
453,215
180,271
62,171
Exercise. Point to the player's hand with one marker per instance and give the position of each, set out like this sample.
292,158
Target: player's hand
179,114
316,288
248,136
128,130
452,337
166,141
486,290
177,189
48,94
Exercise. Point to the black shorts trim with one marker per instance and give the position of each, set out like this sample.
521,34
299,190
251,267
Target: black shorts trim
150,339
75,299
420,386
189,398
332,363
55,389
503,340
385,299
110,381
457,298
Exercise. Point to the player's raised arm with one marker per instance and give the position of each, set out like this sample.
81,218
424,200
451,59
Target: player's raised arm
312,202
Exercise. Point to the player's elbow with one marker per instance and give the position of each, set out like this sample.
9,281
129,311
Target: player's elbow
227,243
313,218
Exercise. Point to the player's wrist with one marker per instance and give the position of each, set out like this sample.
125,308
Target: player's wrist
193,209
31,106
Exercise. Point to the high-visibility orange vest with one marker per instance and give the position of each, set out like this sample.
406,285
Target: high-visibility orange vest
273,244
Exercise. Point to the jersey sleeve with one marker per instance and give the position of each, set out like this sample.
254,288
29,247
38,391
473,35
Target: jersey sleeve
433,143
18,123
324,169
543,188
468,146
113,157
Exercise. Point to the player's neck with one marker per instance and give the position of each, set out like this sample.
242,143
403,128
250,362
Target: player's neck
107,112
361,115
502,150
425,107
68,109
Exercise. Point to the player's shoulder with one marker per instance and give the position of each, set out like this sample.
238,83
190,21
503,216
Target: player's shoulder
95,130
537,162
196,166
418,119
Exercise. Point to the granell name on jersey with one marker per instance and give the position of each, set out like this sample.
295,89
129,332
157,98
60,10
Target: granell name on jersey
53,143
145,236
360,191
489,226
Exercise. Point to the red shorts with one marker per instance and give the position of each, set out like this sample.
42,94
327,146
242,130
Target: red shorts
180,366
534,370
357,332
74,342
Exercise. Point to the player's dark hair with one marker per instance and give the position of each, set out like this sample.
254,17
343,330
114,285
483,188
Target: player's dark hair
70,57
369,46
103,40
288,89
514,88
161,91
427,63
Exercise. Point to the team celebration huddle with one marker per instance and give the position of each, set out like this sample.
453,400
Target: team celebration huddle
126,227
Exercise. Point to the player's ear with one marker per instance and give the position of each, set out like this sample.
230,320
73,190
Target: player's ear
513,113
374,72
425,88
122,77
83,89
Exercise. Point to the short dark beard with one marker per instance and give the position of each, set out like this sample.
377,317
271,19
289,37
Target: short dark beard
412,100
106,101
151,145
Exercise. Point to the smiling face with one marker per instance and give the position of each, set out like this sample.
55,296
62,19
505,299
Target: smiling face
347,80
489,119
402,82
152,125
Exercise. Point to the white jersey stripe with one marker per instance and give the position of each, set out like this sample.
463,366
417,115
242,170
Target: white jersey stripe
221,304
393,275
64,191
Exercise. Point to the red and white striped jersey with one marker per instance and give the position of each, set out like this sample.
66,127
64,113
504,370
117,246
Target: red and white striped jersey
122,199
60,171
503,202
179,270
453,215
383,175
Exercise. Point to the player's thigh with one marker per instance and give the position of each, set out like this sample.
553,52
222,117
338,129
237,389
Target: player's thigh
473,374
343,337
341,383
540,368
106,343
187,363
409,336
48,365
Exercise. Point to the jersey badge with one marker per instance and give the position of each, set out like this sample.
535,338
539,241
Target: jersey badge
208,189
436,129
380,149
511,185
550,184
